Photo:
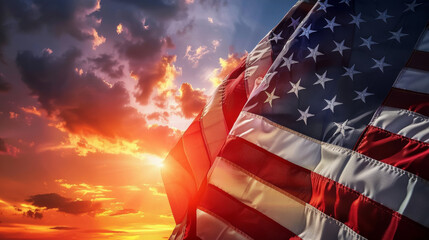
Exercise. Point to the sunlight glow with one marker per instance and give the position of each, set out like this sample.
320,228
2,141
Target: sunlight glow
153,160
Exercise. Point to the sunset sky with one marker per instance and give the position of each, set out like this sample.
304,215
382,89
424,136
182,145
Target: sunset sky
93,94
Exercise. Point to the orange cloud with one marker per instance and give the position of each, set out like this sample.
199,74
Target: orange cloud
13,115
119,28
191,101
97,39
226,67
97,117
32,110
160,77
158,116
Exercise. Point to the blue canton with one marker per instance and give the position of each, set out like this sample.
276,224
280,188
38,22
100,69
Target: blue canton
338,66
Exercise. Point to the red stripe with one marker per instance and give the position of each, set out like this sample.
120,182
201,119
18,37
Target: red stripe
413,101
179,181
419,60
195,150
399,151
234,96
273,169
243,217
336,200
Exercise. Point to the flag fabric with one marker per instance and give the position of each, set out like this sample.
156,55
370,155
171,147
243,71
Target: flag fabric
321,133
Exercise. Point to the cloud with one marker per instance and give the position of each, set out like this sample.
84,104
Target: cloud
96,113
4,86
71,17
62,204
63,228
159,116
187,28
191,101
123,212
97,39
7,149
33,214
162,10
226,67
108,65
160,76
157,191
31,110
194,56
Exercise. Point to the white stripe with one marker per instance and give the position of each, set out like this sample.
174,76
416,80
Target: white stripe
403,122
423,44
413,80
210,227
291,213
214,128
395,188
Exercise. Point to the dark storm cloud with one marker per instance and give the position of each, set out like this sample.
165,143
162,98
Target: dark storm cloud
72,17
161,9
62,204
144,40
4,86
65,16
86,104
107,64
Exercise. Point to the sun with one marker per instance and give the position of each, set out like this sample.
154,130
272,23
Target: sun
153,160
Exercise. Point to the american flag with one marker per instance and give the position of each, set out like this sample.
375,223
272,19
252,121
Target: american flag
321,133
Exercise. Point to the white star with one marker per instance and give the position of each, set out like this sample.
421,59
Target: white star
411,6
380,64
342,128
294,23
322,79
331,24
383,16
331,104
314,52
296,88
304,115
350,71
362,95
356,20
288,61
307,31
340,47
397,35
324,5
346,2
277,37
367,42
270,97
